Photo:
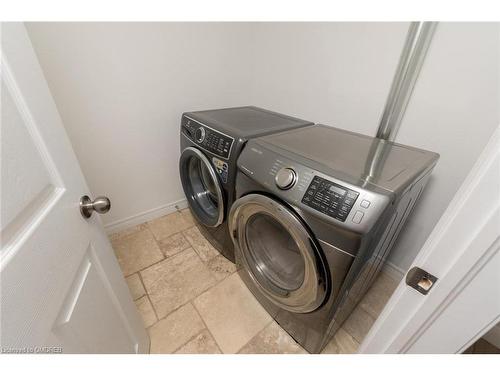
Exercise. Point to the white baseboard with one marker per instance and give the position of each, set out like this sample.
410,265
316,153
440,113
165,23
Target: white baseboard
394,272
131,221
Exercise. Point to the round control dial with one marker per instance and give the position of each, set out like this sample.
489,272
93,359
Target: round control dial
285,178
199,135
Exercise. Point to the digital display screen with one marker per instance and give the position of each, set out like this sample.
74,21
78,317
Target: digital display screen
329,198
337,190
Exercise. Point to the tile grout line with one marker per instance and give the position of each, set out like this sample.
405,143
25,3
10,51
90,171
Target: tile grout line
147,293
185,239
164,258
149,299
191,300
360,306
208,261
142,269
206,326
350,334
203,292
254,336
145,268
142,295
170,235
163,255
190,338
201,316
145,226
158,240
161,260
199,256
197,333
116,236
176,212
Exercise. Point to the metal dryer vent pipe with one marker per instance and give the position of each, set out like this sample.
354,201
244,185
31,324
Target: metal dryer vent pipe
411,60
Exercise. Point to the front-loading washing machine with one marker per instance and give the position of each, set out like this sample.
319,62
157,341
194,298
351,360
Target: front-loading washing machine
317,212
211,142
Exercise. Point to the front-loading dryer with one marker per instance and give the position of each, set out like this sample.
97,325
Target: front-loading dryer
317,212
211,142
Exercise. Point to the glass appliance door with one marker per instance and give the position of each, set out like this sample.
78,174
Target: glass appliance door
201,187
278,252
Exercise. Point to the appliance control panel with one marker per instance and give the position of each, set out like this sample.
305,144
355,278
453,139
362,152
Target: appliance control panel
207,138
330,198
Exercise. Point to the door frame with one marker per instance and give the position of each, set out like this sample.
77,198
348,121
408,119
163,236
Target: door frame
463,252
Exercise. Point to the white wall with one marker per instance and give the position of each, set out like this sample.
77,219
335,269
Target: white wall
121,88
339,74
454,110
130,83
333,73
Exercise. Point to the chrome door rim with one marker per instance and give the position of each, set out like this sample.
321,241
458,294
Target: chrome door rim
311,294
188,153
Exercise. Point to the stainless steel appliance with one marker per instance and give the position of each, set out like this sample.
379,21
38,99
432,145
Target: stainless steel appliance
317,212
211,142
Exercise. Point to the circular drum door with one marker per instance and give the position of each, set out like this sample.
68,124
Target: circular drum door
201,187
279,254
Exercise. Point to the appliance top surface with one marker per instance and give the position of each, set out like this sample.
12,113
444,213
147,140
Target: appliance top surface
246,122
356,158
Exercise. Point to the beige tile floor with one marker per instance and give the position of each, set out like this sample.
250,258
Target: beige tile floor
192,300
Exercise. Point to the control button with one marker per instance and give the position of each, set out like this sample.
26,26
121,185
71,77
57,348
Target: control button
285,178
348,201
340,216
352,194
365,203
200,135
357,217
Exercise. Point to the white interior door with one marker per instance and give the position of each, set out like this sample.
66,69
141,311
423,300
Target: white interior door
463,252
61,286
